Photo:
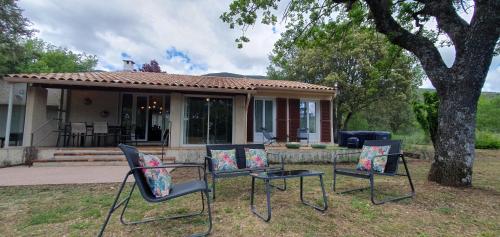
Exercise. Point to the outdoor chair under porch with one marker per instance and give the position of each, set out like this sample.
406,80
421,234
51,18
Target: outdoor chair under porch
177,190
390,170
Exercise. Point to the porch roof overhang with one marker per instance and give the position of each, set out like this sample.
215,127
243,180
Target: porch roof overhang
166,82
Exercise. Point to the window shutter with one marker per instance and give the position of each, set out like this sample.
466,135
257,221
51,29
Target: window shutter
281,119
250,121
293,118
326,121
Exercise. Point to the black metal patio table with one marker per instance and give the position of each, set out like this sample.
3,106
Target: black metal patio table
268,176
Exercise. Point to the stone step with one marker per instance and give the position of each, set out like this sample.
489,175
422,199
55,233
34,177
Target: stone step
79,163
89,154
94,156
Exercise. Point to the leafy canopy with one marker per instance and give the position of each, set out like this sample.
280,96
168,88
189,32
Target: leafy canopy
362,63
39,56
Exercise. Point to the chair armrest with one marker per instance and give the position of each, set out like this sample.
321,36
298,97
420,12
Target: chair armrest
176,165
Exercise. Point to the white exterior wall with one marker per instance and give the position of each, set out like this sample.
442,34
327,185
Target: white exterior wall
36,113
176,104
101,101
239,120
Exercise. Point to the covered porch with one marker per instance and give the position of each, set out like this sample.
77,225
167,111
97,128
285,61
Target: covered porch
183,112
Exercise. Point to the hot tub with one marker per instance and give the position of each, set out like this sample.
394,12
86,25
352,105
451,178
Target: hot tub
362,136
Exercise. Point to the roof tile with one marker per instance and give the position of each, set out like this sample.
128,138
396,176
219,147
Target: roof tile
164,79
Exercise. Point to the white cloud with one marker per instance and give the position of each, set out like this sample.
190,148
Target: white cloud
145,30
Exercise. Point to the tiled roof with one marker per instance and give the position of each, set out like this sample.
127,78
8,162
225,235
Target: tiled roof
161,80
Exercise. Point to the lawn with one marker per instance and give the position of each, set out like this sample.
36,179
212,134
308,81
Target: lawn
79,210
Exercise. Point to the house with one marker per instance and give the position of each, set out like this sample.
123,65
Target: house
199,109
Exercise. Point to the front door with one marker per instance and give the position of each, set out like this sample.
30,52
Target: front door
145,115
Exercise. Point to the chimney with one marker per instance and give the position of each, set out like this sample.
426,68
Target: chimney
128,65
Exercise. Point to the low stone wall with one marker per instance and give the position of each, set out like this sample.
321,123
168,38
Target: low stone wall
290,156
12,156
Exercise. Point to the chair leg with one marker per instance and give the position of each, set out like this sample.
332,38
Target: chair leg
171,217
393,199
213,187
334,180
115,205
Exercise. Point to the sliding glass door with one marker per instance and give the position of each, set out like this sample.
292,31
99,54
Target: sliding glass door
208,120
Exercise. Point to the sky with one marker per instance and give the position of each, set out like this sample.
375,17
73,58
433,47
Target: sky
185,37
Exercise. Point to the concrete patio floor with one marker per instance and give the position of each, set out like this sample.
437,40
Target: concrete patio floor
23,175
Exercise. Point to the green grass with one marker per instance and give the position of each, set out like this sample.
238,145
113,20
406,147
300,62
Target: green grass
79,210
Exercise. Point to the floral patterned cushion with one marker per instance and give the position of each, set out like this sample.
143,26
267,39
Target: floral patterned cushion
224,160
159,180
369,153
256,158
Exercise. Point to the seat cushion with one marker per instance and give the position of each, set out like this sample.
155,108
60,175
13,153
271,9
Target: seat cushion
224,160
256,158
370,153
159,180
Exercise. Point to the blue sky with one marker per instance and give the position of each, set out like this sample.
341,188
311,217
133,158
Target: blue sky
185,37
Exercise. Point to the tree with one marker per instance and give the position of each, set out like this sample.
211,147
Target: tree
13,28
39,56
153,66
406,24
426,112
366,68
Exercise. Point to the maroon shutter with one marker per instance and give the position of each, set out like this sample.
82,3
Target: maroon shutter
281,119
250,121
293,118
325,121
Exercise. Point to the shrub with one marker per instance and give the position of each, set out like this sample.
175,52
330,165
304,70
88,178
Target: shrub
487,140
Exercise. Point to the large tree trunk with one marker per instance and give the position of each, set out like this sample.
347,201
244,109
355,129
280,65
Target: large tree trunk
454,145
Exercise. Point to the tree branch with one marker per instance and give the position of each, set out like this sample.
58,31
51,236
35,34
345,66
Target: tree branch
420,46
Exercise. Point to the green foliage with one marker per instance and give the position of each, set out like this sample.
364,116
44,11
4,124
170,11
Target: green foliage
366,68
426,113
488,113
14,27
487,140
40,56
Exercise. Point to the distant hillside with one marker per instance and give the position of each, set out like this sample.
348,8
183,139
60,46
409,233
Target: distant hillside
228,74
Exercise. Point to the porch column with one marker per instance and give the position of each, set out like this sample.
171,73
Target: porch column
176,106
36,112
9,115
239,120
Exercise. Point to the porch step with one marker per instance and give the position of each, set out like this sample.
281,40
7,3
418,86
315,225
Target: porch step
92,157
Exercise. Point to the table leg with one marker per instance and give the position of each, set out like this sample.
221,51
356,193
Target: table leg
325,202
268,199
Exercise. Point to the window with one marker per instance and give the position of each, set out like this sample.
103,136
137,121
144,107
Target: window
264,115
308,115
208,120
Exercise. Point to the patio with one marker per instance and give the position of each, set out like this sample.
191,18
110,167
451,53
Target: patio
80,209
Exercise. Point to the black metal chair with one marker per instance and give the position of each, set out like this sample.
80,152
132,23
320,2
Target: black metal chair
391,170
270,138
177,190
241,162
303,134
